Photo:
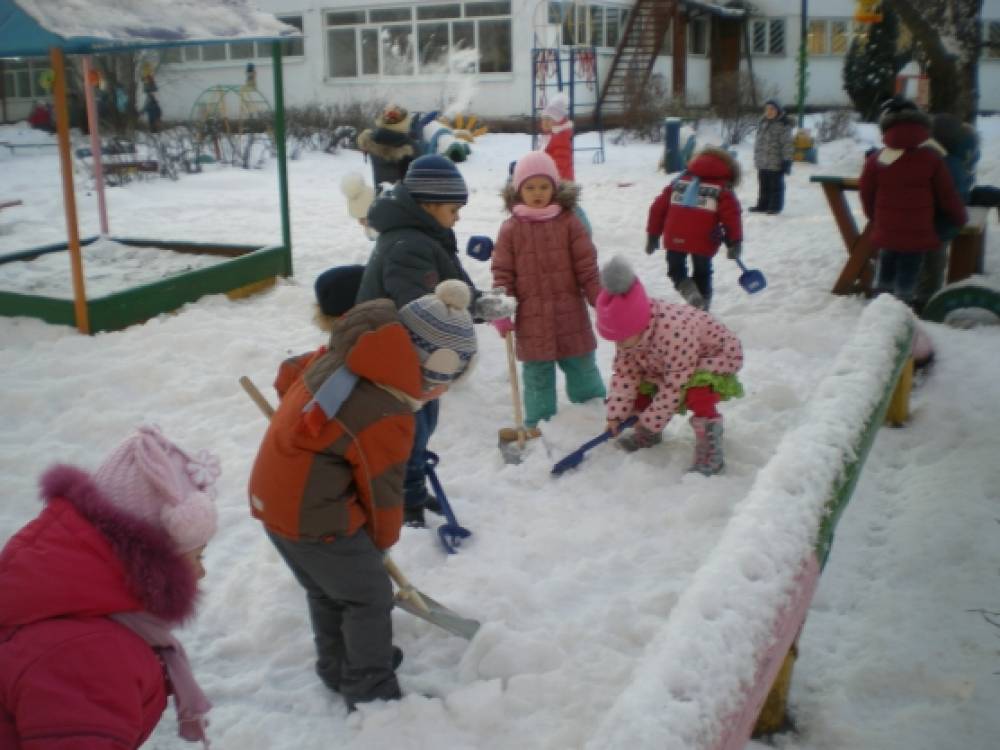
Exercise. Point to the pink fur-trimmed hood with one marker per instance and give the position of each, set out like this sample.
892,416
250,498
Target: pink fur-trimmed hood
84,557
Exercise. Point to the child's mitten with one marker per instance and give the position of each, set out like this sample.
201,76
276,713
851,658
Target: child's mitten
652,243
494,304
734,251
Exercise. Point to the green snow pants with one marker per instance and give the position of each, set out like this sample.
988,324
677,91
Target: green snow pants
583,382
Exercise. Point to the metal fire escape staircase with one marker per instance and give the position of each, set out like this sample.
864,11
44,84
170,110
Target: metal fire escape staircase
638,48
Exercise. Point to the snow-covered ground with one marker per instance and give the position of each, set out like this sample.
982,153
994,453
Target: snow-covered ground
573,577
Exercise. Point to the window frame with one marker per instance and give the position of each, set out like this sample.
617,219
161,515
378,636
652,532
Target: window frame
471,14
850,29
25,70
768,23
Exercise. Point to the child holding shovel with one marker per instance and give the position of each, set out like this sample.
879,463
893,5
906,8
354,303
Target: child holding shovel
544,258
328,477
680,356
695,214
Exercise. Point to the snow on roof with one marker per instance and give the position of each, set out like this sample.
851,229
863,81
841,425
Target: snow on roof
31,27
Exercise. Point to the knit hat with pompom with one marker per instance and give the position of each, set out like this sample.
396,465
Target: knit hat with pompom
622,305
150,478
440,327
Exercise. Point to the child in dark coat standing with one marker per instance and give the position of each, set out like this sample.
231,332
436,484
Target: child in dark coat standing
695,214
668,359
90,592
545,259
328,477
415,251
904,186
961,154
772,156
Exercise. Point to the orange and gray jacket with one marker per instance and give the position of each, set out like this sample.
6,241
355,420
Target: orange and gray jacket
321,476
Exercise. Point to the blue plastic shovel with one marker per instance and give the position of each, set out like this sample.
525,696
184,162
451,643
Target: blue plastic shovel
751,280
573,459
451,532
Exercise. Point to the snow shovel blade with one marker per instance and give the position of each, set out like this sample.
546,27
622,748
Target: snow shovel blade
452,536
573,459
510,451
751,280
438,614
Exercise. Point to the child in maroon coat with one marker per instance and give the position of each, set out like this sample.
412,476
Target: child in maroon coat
545,259
695,213
903,187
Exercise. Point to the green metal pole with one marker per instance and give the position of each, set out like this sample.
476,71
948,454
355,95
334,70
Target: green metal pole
803,61
279,139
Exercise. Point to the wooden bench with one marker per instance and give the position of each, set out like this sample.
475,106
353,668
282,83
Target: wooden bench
965,257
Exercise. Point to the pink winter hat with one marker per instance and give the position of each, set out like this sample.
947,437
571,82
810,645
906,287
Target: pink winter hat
622,305
534,164
152,479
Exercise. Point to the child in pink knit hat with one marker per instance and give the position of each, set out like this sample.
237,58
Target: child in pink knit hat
544,258
90,591
669,359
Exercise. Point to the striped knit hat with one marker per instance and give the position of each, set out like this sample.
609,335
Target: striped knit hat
440,328
435,179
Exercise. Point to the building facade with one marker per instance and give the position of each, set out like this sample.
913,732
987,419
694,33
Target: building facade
476,56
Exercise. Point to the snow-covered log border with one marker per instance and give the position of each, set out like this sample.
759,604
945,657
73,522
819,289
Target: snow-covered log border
773,545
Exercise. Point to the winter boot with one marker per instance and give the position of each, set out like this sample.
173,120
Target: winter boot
639,438
690,293
707,445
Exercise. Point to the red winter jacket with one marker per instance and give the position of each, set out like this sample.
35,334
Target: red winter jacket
560,147
692,229
906,184
69,676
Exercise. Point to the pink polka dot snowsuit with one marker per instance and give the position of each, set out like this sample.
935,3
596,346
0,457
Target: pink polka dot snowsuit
679,341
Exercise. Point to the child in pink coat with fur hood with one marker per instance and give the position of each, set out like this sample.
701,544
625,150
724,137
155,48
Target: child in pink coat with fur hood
90,591
669,359
545,259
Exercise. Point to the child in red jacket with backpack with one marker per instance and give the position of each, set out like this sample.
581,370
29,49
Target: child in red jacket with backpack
695,214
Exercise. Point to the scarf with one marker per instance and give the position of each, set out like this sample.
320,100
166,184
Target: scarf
189,700
545,213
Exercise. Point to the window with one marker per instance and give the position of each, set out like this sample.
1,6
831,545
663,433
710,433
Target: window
767,37
697,36
213,52
696,39
612,24
991,42
293,47
828,37
236,50
443,38
22,78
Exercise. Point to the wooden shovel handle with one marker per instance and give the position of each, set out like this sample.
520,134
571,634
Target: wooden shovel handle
258,398
515,391
406,589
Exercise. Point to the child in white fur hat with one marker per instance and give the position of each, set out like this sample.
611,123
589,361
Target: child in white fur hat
557,140
90,591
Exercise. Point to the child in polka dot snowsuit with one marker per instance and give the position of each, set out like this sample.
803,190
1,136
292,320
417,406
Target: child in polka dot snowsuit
669,359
